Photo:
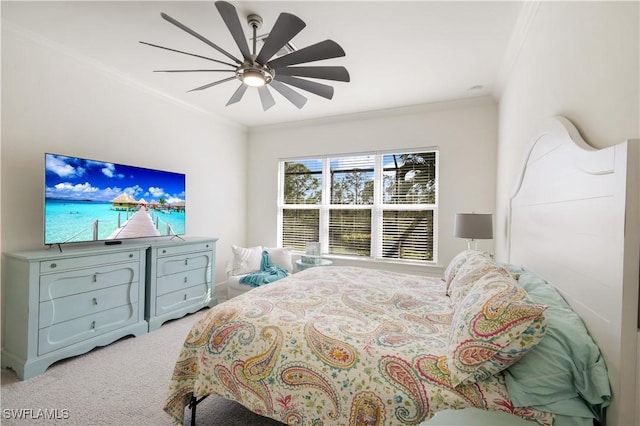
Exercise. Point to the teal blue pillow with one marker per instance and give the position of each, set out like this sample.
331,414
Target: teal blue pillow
565,373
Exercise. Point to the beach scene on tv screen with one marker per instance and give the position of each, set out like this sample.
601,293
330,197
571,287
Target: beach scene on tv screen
88,200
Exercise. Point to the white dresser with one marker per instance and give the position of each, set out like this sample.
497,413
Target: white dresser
61,304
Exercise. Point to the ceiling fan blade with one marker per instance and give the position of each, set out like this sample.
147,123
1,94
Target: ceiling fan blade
310,86
323,50
193,71
238,94
187,53
292,96
230,18
326,73
206,86
285,28
266,98
199,37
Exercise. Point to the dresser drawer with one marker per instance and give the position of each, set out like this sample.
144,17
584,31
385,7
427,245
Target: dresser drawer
186,296
83,328
177,264
65,264
66,308
184,248
174,282
85,280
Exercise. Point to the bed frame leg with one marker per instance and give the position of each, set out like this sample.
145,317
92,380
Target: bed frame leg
192,406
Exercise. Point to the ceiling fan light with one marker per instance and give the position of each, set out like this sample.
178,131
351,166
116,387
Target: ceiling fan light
253,78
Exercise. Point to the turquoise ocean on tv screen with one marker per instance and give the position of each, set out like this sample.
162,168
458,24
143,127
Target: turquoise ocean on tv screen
73,221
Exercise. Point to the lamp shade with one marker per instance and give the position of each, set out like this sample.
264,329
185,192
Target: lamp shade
473,226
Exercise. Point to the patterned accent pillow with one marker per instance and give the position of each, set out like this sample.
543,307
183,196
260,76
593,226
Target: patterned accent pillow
470,272
457,262
246,260
493,327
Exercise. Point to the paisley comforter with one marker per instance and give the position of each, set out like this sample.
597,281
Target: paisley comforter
333,346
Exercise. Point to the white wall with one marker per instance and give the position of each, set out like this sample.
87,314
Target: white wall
53,102
464,131
579,60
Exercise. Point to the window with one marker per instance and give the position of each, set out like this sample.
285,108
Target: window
379,205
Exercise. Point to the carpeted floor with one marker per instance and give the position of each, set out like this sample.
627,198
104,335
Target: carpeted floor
120,384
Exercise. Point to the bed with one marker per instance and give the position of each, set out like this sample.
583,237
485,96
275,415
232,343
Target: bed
346,345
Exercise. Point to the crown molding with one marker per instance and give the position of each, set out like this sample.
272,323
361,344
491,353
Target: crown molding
380,113
518,37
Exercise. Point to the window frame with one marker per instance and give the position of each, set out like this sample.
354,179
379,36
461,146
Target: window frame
377,208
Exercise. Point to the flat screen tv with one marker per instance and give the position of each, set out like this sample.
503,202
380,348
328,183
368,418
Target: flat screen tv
88,200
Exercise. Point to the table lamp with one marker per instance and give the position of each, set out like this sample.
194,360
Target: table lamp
473,226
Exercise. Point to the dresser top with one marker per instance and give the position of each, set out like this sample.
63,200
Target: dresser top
82,249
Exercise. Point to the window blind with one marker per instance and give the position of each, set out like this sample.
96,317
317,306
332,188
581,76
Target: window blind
300,227
350,232
407,235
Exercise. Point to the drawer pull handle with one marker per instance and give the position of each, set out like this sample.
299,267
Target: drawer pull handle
54,265
93,325
95,278
185,279
130,255
186,262
164,251
185,297
95,301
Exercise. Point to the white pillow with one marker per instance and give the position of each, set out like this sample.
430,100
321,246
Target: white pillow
280,257
246,260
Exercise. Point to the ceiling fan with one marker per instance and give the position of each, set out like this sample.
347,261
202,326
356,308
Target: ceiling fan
261,69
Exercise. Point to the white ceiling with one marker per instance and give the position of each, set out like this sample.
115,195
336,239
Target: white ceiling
397,53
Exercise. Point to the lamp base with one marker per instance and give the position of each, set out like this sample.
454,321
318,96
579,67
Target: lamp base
472,244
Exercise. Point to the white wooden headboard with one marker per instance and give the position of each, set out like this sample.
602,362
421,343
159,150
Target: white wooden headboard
574,220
